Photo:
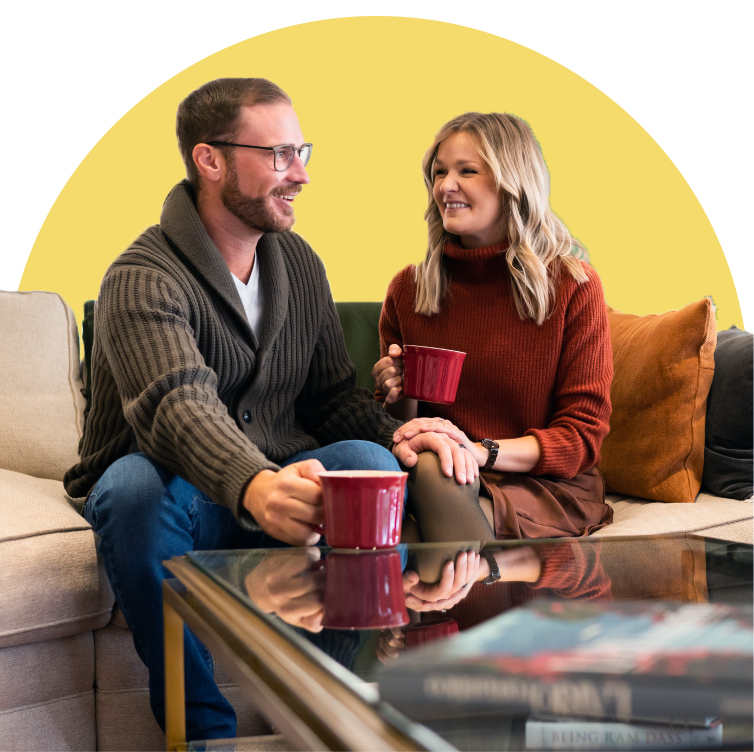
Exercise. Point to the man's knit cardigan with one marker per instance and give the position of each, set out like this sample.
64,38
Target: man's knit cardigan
177,372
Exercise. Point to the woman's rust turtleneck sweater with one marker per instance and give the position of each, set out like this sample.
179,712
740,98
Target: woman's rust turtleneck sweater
551,381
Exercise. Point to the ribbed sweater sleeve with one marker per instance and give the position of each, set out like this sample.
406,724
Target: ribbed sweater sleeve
571,442
168,393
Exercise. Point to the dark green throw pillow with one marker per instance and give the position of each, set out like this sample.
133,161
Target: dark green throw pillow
728,456
360,322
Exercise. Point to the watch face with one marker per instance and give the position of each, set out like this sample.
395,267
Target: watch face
492,447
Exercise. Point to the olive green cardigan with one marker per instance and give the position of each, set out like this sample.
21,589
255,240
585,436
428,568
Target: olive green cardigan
177,372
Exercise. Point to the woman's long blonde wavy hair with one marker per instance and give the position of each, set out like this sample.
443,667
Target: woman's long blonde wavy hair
538,241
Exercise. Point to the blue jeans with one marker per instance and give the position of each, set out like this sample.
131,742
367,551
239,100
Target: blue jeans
145,514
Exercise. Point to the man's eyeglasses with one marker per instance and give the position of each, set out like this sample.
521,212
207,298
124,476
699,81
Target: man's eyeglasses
283,154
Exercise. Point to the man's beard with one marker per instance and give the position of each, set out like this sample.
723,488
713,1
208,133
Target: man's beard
255,213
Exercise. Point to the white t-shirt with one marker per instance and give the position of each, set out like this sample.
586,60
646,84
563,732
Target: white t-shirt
251,297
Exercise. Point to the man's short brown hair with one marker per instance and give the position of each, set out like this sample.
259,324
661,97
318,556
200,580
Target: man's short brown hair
211,113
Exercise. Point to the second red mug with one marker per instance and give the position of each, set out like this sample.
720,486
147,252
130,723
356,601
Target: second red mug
363,508
431,374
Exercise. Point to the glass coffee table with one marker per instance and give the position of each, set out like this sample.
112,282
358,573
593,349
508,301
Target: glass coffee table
314,634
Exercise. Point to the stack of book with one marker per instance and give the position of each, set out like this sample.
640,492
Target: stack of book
590,675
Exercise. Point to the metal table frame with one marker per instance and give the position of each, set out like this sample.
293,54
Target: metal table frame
314,706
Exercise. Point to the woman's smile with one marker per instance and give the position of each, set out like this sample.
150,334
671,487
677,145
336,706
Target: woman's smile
465,193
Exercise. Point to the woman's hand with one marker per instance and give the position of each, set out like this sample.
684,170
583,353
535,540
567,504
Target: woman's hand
454,584
388,375
514,455
454,459
441,425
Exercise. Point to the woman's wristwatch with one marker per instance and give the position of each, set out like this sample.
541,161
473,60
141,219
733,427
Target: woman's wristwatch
494,574
493,448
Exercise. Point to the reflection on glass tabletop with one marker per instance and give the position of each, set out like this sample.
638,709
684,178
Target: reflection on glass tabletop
630,643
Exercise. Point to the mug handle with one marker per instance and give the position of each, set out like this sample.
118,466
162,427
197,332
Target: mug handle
318,529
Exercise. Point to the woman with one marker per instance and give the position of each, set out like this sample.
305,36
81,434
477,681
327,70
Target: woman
502,282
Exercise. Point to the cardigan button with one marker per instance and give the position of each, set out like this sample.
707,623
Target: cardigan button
247,416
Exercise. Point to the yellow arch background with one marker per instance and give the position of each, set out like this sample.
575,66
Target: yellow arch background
370,94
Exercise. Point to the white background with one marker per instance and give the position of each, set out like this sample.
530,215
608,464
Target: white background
681,68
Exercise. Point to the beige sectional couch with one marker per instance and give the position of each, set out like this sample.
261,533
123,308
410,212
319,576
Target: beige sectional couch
70,677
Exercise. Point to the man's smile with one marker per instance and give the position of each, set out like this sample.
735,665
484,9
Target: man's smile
287,194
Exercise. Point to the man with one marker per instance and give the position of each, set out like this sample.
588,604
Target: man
220,382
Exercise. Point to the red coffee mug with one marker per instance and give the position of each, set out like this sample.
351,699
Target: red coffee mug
432,629
431,374
363,508
363,590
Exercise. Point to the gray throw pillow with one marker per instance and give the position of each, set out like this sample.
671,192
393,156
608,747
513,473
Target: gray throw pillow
728,460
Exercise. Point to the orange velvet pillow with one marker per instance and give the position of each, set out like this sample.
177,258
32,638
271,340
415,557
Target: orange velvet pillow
663,367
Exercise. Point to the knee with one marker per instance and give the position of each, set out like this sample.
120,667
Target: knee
427,474
132,487
365,455
428,465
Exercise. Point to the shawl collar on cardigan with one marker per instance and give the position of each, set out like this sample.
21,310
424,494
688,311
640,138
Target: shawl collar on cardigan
180,222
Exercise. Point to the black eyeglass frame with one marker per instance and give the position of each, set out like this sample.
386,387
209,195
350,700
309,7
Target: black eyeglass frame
275,151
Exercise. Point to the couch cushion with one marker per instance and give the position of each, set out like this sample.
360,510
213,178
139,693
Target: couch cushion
51,582
708,515
47,695
41,404
124,719
663,368
67,723
728,455
45,671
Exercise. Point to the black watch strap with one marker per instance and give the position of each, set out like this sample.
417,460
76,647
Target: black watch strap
492,447
494,574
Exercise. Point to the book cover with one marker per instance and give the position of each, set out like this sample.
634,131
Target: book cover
644,660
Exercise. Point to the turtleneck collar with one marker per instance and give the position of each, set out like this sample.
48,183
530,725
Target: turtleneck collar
457,252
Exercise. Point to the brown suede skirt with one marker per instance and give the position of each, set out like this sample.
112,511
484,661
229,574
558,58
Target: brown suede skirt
545,507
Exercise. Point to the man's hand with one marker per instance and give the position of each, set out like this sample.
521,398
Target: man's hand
390,644
453,586
288,584
388,375
287,503
452,456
